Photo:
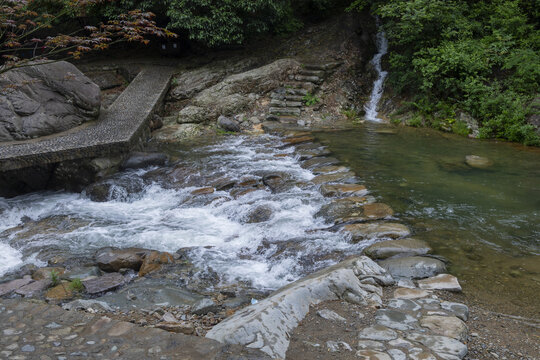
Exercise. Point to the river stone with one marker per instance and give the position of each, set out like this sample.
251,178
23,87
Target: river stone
267,324
13,285
377,211
149,293
228,124
204,306
395,319
114,259
300,139
397,354
139,160
318,162
459,310
370,231
181,327
372,355
81,273
415,267
370,344
45,99
440,282
440,345
335,177
153,261
329,169
478,161
343,190
406,293
46,272
81,304
449,326
404,304
260,214
103,283
33,288
338,211
311,153
389,248
204,191
377,333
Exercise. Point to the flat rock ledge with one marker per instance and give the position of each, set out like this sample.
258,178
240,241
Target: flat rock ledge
267,324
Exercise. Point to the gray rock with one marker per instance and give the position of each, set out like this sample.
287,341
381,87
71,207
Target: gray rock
105,79
371,344
459,310
114,189
114,259
138,160
13,285
28,348
372,355
228,124
33,288
81,273
330,315
397,354
389,248
204,306
45,99
104,283
82,304
266,325
148,293
404,304
441,345
395,319
415,267
377,333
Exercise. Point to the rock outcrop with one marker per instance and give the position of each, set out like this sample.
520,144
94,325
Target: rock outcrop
45,99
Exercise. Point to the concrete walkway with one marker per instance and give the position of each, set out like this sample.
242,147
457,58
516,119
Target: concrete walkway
118,129
31,330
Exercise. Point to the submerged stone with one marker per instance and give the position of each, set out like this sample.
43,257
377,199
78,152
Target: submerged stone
368,231
415,267
389,248
440,282
478,161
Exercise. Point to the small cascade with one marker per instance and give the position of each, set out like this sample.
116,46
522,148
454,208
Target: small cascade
377,92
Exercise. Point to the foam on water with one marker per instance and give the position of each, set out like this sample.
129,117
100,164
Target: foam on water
266,255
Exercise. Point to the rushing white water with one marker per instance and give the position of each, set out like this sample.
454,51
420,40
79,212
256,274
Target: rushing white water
165,216
378,86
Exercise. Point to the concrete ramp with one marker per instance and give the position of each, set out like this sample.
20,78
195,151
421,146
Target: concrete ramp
118,129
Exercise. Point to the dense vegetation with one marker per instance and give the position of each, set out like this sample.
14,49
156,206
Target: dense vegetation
449,57
481,57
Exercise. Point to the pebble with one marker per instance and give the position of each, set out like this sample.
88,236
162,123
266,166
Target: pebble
28,348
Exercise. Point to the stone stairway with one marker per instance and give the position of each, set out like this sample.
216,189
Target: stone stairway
288,101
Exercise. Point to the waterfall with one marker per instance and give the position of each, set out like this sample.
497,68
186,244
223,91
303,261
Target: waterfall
377,92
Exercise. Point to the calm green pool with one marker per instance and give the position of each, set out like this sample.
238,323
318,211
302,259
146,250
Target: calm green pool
485,221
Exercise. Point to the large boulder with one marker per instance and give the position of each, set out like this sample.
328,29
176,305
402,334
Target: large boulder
235,92
45,99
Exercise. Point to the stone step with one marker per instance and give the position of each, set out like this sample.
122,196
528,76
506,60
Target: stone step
306,72
323,67
305,78
284,111
309,86
284,96
282,103
288,119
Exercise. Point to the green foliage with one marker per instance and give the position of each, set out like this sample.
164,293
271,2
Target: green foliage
55,279
76,285
477,56
352,115
310,99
